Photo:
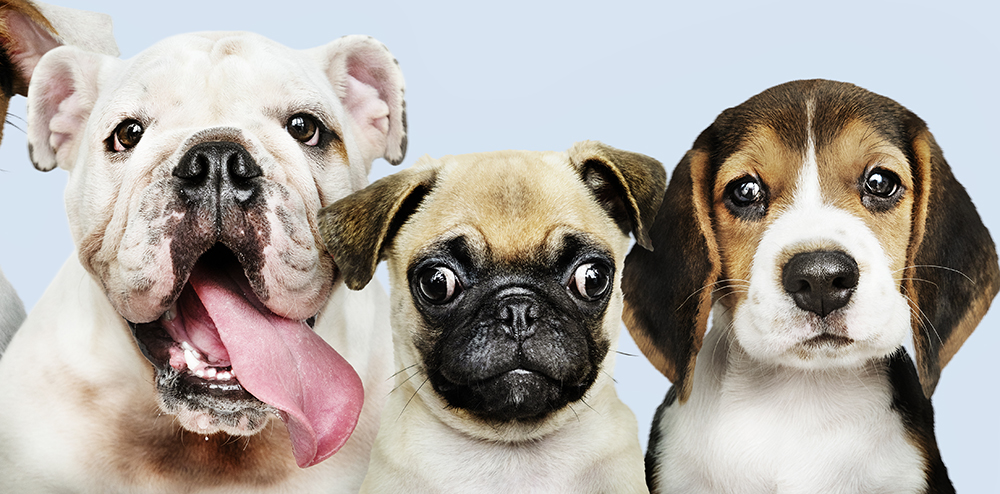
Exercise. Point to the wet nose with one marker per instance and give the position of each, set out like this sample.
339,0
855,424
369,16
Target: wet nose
218,170
820,282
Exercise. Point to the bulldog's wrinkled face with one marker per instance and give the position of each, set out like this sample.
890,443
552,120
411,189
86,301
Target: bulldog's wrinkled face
505,291
193,195
813,214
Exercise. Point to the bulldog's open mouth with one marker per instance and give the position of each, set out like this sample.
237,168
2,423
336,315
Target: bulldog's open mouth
224,361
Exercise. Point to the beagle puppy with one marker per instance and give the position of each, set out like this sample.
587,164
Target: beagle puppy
819,224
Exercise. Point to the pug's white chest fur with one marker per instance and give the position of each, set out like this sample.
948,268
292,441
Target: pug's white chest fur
776,429
585,456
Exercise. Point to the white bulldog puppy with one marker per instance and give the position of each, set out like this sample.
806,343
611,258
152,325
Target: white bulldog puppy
200,340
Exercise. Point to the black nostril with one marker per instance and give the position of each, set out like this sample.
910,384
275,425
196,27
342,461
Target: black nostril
241,165
192,167
820,282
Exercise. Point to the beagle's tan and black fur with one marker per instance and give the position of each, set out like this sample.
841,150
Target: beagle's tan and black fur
819,224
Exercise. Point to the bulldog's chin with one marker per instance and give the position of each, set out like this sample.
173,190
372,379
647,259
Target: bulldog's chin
518,395
207,406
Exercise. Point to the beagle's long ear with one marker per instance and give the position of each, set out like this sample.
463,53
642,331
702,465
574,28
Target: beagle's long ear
668,295
358,228
952,273
628,185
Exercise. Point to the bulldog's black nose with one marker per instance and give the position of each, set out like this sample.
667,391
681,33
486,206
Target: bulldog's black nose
218,170
820,282
517,316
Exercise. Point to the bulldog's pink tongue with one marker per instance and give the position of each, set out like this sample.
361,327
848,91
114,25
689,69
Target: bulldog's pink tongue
285,364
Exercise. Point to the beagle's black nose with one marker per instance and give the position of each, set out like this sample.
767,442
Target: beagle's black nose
218,171
820,282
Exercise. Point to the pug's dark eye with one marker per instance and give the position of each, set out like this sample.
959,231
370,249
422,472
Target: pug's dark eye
591,281
438,285
126,136
304,128
882,183
746,197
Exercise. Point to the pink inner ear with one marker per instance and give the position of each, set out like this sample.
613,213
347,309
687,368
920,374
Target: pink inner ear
371,115
27,43
365,105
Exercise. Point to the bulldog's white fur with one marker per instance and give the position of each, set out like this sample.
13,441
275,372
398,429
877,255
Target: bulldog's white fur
78,400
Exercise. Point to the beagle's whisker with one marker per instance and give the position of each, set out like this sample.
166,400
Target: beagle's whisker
934,266
920,280
924,321
710,285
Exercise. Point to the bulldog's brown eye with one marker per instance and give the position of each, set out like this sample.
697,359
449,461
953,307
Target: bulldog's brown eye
438,284
304,128
126,135
882,183
591,281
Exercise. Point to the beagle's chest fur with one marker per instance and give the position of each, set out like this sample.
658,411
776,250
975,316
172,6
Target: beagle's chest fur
820,226
752,428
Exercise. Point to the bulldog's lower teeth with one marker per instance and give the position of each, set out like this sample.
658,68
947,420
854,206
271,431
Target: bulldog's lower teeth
201,369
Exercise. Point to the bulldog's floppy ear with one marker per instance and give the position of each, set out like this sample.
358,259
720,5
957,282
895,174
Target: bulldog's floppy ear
628,185
61,96
666,301
28,30
370,85
358,228
952,273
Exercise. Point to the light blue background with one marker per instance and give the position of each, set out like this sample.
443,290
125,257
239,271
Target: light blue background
640,76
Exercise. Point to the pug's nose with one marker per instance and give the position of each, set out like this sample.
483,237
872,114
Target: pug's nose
517,315
220,171
820,282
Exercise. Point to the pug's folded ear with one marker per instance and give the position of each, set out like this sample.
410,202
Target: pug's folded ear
358,228
628,185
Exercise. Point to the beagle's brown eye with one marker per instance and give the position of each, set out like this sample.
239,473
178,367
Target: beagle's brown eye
881,183
438,285
126,136
591,281
746,197
304,128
